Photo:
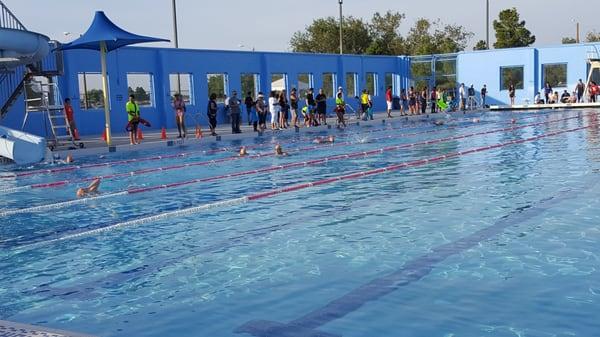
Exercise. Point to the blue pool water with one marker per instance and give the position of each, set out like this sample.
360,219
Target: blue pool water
501,242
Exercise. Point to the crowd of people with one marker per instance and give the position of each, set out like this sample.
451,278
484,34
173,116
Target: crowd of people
549,96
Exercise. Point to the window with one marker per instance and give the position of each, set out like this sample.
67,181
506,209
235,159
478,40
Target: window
90,91
218,84
510,75
140,85
555,74
181,84
372,84
351,81
250,84
445,74
278,82
391,80
329,84
305,82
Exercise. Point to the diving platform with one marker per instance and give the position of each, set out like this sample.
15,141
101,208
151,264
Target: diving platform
544,106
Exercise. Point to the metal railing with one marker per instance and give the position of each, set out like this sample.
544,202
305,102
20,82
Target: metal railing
8,19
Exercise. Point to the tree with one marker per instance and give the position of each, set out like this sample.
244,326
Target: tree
381,36
481,45
323,35
592,37
568,40
384,33
510,31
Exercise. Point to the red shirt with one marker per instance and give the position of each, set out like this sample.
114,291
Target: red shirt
388,95
69,112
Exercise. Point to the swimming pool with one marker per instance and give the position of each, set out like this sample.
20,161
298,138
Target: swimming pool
402,229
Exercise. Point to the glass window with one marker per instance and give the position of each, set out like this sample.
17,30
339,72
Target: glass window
181,84
372,84
250,84
140,85
392,80
351,81
555,74
305,82
90,91
278,81
329,84
218,84
445,74
510,75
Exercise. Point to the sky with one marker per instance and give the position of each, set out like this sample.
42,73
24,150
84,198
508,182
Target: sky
267,25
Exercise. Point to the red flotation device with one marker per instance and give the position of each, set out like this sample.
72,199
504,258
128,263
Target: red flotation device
141,121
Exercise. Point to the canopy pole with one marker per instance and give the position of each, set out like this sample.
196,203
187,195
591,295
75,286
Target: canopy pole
105,93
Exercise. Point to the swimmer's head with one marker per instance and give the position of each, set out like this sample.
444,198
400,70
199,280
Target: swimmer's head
243,151
331,138
80,193
278,149
513,121
475,120
69,159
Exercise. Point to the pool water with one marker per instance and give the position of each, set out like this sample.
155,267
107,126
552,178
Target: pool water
500,242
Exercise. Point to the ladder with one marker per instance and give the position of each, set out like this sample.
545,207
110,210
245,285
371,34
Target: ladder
45,99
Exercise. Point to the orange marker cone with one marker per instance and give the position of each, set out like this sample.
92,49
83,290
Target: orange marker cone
76,134
163,133
140,135
104,135
198,132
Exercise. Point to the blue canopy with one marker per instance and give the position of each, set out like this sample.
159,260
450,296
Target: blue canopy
102,29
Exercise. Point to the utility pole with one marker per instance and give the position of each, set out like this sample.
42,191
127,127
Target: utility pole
341,2
487,24
176,41
577,32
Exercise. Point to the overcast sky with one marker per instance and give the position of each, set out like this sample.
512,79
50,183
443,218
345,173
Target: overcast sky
269,24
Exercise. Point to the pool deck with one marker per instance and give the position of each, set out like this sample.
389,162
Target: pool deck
152,140
12,329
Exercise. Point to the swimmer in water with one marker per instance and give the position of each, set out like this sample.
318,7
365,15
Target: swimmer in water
513,121
475,120
243,151
324,140
439,122
279,151
91,189
69,159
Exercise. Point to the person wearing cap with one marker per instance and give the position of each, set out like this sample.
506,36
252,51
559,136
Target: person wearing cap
235,111
261,110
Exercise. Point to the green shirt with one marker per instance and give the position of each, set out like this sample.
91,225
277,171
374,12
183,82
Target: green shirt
339,101
133,111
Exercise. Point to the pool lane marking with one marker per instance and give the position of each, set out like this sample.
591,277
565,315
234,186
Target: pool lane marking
317,161
71,168
412,271
293,188
189,153
227,159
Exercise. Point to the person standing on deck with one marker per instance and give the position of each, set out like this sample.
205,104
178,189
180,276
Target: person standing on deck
211,112
249,103
236,113
483,95
179,107
284,108
294,106
71,119
462,97
261,110
274,109
133,117
403,102
580,89
547,92
310,106
423,100
322,107
433,98
388,101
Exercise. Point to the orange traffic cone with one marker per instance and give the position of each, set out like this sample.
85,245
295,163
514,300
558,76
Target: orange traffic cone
198,132
163,133
140,135
104,135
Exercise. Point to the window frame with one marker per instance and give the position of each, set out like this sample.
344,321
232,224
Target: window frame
220,98
83,92
151,96
191,97
565,64
501,79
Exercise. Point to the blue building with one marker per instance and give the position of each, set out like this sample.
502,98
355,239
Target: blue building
155,74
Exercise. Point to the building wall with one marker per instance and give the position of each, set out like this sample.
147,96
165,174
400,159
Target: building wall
160,62
483,67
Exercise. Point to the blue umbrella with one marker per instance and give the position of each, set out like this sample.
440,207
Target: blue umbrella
104,36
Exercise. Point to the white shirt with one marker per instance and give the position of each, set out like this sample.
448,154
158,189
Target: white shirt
272,103
462,92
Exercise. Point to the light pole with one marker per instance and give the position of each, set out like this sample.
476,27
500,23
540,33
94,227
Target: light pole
176,41
577,30
487,24
341,2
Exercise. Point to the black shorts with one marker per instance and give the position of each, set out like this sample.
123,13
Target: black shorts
134,126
